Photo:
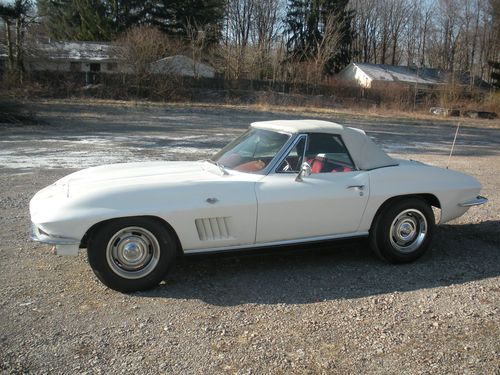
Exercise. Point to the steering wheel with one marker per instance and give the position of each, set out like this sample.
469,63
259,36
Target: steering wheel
287,167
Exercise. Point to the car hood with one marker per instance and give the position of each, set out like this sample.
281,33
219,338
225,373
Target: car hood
135,176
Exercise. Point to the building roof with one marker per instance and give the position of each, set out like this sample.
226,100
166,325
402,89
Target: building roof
425,76
79,51
182,66
394,73
365,154
72,51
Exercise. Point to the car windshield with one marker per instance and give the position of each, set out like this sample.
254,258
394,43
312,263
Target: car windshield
252,151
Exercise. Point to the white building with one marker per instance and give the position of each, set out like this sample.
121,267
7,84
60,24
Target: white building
101,57
383,76
370,75
92,57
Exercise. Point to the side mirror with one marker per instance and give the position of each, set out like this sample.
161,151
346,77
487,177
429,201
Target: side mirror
305,171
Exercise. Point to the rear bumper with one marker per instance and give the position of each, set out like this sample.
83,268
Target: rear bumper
64,246
479,200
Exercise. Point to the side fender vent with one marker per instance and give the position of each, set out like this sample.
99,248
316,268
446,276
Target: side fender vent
213,228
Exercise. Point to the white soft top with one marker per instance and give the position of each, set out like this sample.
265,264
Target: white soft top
366,154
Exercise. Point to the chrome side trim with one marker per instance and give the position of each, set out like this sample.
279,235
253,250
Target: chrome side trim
479,200
279,243
37,236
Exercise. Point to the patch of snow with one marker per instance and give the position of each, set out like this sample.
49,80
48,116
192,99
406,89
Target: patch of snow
395,147
88,151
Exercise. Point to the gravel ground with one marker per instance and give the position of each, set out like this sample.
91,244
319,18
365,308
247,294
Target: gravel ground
326,309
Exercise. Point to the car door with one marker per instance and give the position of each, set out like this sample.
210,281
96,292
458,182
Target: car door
329,202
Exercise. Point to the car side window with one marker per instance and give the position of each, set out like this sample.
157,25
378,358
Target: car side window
293,161
327,153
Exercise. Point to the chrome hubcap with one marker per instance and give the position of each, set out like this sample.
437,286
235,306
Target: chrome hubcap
408,230
133,252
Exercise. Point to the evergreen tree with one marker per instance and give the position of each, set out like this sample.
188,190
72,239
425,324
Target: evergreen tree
18,15
125,14
8,15
76,19
305,27
177,17
104,19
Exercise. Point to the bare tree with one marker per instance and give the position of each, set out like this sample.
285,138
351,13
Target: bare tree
399,16
239,16
197,38
385,10
366,23
264,32
424,30
143,45
252,31
326,47
451,30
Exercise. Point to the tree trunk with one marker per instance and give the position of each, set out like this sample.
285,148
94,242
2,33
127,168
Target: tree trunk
474,46
424,39
394,47
19,50
384,48
9,45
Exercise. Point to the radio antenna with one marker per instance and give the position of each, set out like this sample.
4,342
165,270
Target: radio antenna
453,145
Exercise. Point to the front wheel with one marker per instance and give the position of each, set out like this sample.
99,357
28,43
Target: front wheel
131,254
403,230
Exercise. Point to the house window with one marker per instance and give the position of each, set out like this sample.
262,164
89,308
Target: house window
75,67
95,68
112,66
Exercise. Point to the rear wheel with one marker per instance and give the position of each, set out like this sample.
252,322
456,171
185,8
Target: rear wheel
403,230
131,254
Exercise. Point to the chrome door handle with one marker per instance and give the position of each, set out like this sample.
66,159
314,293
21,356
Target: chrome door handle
360,187
212,200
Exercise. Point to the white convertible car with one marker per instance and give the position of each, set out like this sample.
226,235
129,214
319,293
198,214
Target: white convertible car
280,183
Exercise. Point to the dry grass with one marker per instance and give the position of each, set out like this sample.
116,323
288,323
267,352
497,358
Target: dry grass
335,97
363,113
492,102
303,111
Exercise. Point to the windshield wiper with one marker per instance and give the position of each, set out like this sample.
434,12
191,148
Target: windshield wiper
221,167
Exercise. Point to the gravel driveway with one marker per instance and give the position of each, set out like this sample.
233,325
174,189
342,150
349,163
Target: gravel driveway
322,309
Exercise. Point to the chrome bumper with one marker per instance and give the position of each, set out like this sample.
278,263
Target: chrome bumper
479,200
64,246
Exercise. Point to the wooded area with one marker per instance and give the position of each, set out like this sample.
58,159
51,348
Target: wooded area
278,40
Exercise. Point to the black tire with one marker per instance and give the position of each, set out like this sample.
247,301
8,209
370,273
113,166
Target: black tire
144,243
403,216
